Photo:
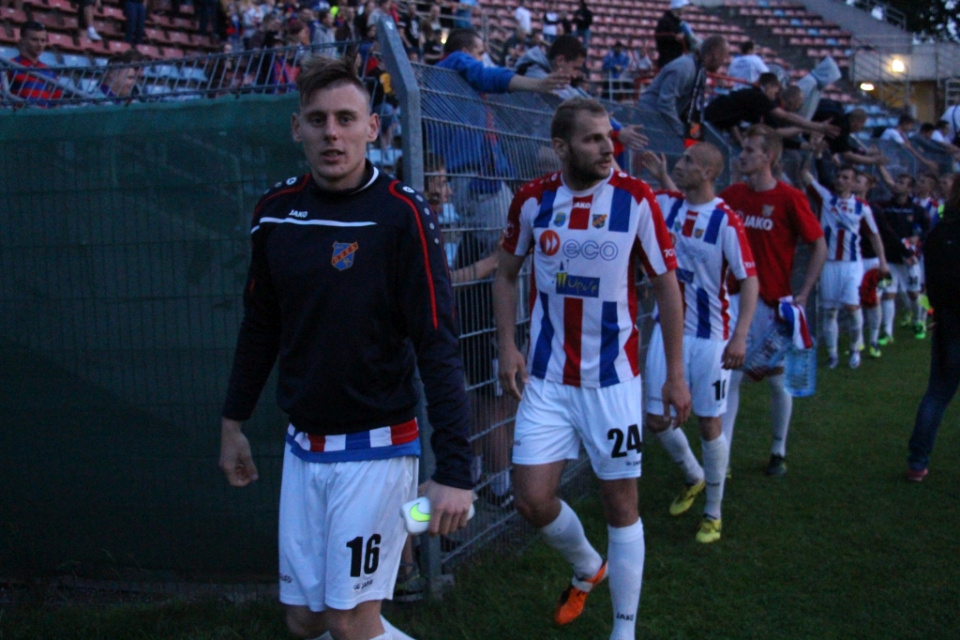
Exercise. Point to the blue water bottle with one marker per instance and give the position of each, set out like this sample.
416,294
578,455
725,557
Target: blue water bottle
801,371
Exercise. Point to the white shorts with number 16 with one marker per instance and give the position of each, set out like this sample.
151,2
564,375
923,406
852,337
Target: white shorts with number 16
702,367
341,532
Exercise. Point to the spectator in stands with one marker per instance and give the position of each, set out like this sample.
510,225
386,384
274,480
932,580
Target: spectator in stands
927,132
136,13
322,31
849,148
347,29
37,86
523,17
672,35
464,14
582,21
268,35
120,81
432,44
514,48
615,65
899,133
85,20
641,66
952,117
409,28
565,57
676,93
551,21
758,104
747,66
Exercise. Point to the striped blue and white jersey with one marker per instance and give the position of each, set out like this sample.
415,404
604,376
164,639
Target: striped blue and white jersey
842,220
711,243
586,248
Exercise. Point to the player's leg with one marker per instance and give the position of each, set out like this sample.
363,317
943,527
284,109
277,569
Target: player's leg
918,313
626,553
708,386
716,455
941,387
888,302
608,422
729,416
545,440
781,407
537,501
829,301
870,303
850,298
856,334
831,333
673,440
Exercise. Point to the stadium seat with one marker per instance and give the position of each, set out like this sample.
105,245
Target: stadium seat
63,42
74,60
9,53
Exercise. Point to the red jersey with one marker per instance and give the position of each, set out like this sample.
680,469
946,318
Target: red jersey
775,221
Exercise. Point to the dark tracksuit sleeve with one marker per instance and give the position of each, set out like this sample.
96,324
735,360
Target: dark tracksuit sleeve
427,304
259,339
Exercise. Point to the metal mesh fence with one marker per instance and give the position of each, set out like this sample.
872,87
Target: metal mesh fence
487,145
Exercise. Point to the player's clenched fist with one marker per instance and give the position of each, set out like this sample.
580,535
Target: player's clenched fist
235,459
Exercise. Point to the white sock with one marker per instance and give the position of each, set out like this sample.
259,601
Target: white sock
919,315
391,632
626,552
678,448
873,323
781,406
856,330
716,454
733,405
565,534
889,311
831,330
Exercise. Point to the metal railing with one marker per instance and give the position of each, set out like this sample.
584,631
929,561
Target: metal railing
260,71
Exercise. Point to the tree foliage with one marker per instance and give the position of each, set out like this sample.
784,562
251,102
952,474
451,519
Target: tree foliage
936,18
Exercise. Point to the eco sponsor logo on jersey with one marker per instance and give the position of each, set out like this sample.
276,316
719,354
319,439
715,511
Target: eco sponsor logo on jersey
343,253
591,250
549,243
580,286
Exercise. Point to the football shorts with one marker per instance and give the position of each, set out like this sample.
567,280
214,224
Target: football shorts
906,277
840,284
702,368
554,419
341,532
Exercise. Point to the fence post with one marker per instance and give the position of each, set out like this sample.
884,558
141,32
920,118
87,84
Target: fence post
404,83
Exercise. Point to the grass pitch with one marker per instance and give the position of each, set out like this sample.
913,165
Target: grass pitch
841,547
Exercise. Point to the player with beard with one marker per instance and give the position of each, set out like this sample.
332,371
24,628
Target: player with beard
589,227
